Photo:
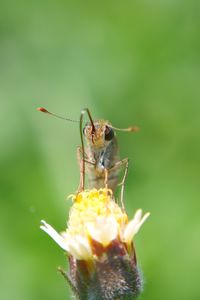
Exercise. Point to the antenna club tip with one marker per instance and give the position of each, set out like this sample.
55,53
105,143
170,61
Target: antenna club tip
42,109
134,129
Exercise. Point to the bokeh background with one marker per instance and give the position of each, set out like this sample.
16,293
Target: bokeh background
131,62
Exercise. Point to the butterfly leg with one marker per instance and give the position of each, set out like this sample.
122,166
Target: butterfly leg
106,178
82,170
124,162
82,159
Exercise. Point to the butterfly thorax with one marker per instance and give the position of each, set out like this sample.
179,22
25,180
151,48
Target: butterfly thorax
102,152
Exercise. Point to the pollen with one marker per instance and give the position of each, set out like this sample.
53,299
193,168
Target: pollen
90,205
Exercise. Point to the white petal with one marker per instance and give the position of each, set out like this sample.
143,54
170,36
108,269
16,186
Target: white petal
74,249
80,247
54,235
137,215
104,230
85,248
134,225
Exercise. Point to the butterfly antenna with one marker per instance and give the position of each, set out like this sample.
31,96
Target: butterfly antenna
44,110
129,129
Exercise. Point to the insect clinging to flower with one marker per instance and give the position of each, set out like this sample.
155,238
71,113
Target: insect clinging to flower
99,238
99,158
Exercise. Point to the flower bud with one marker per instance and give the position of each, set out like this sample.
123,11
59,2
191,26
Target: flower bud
99,244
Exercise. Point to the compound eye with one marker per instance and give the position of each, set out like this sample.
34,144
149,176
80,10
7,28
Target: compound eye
84,130
109,133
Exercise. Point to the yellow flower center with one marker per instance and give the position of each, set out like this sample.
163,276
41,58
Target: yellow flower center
90,204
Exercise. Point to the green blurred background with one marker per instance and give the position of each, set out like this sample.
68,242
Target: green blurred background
131,62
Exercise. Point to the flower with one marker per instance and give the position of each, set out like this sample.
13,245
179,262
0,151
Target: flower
99,243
